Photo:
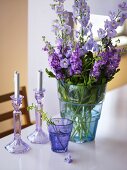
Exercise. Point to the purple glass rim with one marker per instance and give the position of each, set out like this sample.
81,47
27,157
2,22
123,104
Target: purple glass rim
69,123
19,98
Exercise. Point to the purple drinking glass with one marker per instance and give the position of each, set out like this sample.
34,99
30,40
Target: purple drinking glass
59,134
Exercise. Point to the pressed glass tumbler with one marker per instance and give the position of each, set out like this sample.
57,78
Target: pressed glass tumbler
59,134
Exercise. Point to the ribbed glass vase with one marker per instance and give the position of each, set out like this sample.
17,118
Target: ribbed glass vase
83,106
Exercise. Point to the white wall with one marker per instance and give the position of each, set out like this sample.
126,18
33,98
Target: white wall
102,7
40,17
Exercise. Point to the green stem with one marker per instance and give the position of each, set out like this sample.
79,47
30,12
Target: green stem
57,133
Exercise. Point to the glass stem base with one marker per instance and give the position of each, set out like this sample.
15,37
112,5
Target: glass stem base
17,146
38,137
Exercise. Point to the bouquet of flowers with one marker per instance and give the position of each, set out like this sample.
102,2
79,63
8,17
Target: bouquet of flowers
80,59
82,65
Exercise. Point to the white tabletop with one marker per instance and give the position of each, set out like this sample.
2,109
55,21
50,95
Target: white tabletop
107,152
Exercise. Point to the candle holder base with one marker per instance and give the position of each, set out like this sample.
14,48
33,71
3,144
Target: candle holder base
17,146
38,137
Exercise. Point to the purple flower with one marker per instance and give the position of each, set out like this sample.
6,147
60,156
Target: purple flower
62,1
68,53
81,13
54,61
65,17
123,6
98,65
122,19
101,33
64,63
70,71
89,44
84,21
77,34
83,50
112,15
56,28
59,75
66,29
70,45
89,27
111,24
111,33
59,42
75,61
95,72
113,63
107,64
59,9
95,47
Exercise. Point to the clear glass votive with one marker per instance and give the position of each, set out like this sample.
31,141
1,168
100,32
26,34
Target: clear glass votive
59,134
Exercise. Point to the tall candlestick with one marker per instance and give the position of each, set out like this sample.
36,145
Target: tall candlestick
16,84
17,145
40,79
38,136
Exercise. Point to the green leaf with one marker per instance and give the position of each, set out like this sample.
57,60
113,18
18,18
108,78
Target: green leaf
30,107
50,74
44,115
103,80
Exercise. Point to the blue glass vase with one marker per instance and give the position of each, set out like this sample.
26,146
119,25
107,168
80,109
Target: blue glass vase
83,106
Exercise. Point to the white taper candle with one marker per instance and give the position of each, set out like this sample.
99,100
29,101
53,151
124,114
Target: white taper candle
16,84
40,80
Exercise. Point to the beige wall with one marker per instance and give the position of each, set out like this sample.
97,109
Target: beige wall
13,42
13,48
121,77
